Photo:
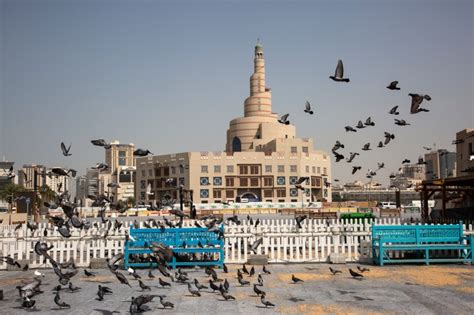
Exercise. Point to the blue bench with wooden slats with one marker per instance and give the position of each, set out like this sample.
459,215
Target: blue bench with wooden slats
181,240
421,238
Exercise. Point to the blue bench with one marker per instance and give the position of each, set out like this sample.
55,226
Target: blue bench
424,238
140,240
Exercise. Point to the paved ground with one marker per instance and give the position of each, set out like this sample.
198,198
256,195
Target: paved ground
442,289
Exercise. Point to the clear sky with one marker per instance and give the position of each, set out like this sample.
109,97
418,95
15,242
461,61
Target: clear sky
170,75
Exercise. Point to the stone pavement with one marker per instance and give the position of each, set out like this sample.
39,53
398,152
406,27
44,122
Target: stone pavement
438,289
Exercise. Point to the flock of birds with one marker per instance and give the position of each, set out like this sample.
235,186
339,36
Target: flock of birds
416,102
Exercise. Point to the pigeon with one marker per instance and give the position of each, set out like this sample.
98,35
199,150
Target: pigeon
369,122
260,280
295,279
227,296
334,271
393,86
61,304
355,274
380,165
427,148
27,303
88,273
337,146
137,302
360,125
252,272
100,294
224,268
213,286
352,156
366,147
339,73
257,290
243,282
416,100
265,302
393,111
362,269
349,128
150,274
64,150
388,137
134,273
198,285
420,161
143,286
401,122
266,271
122,278
192,291
284,119
101,167
226,285
307,108
405,161
72,288
298,220
163,283
141,152
164,303
244,269
255,245
338,156
101,143
10,261
355,169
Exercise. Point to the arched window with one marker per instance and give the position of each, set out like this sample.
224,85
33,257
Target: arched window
236,145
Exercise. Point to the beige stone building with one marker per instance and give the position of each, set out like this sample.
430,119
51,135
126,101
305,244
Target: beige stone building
262,161
465,152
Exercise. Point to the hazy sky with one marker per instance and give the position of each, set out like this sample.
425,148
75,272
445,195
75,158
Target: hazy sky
170,75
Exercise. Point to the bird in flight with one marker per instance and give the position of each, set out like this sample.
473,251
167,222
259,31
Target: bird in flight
416,100
360,125
284,119
355,169
393,111
369,122
366,147
307,108
339,74
338,156
65,150
380,145
401,122
393,86
141,152
388,137
349,128
352,156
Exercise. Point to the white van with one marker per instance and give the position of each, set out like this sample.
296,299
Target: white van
388,205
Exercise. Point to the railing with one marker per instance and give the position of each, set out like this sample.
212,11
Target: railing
315,241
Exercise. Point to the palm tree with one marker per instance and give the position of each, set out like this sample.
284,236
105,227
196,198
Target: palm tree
10,192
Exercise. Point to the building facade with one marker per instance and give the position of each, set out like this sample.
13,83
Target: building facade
26,176
465,152
440,164
262,161
57,183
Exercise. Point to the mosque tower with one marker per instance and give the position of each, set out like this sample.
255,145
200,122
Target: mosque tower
259,125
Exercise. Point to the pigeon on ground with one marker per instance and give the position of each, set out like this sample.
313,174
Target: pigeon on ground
65,150
349,128
257,290
334,271
227,296
27,303
163,283
265,302
284,119
388,137
266,271
295,279
355,274
339,73
243,282
307,108
362,269
61,304
352,156
138,302
164,303
416,100
192,291
122,278
143,286
88,273
393,86
393,111
355,169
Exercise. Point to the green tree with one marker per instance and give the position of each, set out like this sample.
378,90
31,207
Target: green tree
10,192
130,201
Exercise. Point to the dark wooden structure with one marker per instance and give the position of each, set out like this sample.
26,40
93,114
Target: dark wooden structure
463,185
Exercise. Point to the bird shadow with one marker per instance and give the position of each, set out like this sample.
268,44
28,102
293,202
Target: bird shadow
359,298
358,279
260,306
60,308
29,310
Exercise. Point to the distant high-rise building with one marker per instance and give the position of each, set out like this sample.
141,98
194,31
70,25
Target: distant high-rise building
440,164
26,176
57,183
119,156
465,152
92,182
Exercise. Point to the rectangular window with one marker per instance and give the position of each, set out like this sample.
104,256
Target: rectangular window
181,169
294,150
325,171
203,168
217,168
307,168
217,193
181,181
122,158
159,183
281,168
244,182
143,184
229,194
254,181
319,170
293,168
173,170
243,169
230,168
305,150
143,173
281,193
158,172
268,181
254,169
315,181
229,181
268,193
166,171
268,168
314,169
150,172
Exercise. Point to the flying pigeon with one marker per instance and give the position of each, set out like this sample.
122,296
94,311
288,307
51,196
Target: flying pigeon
338,156
352,156
381,165
416,100
307,108
349,128
101,143
141,152
401,122
393,111
393,86
360,125
284,119
420,161
369,122
427,148
366,147
380,144
388,137
339,73
337,146
355,169
64,150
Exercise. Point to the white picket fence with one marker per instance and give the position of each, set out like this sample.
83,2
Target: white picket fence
282,241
